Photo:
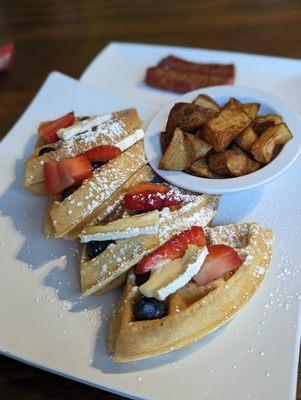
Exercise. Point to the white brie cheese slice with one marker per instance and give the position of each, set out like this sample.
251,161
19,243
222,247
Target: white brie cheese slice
82,126
143,224
130,140
174,275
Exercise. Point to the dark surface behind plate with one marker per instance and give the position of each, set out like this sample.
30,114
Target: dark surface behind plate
66,35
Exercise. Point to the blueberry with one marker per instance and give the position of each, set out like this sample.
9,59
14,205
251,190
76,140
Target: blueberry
96,247
67,192
45,150
96,164
141,279
149,308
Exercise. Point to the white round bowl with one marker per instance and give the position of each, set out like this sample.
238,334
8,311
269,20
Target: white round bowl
270,104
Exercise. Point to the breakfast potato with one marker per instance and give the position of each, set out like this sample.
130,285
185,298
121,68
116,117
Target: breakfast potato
186,116
246,138
220,130
237,149
177,156
264,147
207,102
260,124
200,168
199,148
251,109
230,163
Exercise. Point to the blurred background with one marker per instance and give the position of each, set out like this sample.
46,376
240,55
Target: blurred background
66,35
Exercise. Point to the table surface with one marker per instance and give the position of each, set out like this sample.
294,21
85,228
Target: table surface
65,35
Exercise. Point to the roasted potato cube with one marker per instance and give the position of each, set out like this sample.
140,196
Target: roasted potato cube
251,109
237,149
246,138
200,147
233,103
220,130
176,157
260,124
263,148
207,102
186,116
200,168
230,163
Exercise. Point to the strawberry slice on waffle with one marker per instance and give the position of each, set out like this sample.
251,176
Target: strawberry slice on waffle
221,259
172,249
59,175
49,129
103,153
147,196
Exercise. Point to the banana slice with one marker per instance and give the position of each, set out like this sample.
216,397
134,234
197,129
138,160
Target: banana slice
126,227
175,274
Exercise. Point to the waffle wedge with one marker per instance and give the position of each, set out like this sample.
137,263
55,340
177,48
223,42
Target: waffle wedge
194,311
87,202
108,211
98,272
121,128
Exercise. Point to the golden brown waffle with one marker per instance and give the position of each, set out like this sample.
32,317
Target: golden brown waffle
194,312
109,210
112,131
85,204
198,210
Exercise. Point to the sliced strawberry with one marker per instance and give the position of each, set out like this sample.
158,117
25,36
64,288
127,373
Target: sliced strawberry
148,187
49,130
220,259
56,180
173,248
79,168
103,153
150,196
59,175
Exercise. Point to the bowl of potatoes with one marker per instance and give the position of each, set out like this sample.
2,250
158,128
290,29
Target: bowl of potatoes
223,139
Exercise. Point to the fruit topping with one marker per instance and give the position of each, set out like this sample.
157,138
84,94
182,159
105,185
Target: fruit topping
172,249
141,279
49,129
94,248
103,153
221,259
45,150
67,192
96,164
149,196
149,308
174,274
60,175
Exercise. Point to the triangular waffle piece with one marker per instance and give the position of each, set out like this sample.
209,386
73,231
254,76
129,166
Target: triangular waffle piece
109,209
121,128
82,206
194,311
197,210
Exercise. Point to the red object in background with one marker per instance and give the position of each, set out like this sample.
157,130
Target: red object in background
6,56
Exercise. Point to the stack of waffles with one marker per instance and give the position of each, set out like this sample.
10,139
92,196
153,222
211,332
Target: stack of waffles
181,278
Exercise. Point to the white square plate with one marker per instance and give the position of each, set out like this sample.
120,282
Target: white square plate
43,322
120,69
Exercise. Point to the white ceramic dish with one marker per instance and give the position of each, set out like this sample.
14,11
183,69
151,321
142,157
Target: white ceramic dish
270,104
119,69
43,322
